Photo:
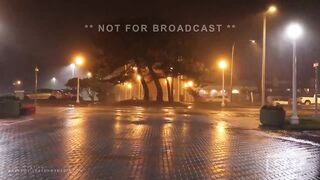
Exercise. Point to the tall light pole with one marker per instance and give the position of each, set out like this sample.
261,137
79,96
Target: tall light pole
231,65
223,65
231,69
78,61
316,81
53,81
294,31
271,10
36,71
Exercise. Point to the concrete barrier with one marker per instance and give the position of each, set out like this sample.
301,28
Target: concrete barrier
272,116
9,107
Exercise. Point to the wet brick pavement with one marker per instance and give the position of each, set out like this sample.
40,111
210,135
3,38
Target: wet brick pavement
136,143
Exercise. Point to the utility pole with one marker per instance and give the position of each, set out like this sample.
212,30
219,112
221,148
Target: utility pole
231,70
316,65
36,70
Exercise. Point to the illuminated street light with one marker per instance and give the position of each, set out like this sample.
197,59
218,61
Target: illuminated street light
294,31
271,10
79,60
138,77
223,65
129,85
53,80
252,41
89,75
18,82
36,71
190,83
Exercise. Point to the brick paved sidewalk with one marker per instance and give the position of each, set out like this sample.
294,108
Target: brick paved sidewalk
133,143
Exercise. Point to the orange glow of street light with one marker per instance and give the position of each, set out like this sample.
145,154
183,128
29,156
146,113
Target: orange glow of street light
129,85
18,82
138,77
272,9
89,75
79,60
223,64
190,83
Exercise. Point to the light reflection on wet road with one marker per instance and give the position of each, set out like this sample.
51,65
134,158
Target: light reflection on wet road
153,143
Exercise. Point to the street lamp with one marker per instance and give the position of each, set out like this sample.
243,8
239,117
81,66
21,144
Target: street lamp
53,80
252,41
223,65
294,31
17,83
89,75
36,71
79,60
271,10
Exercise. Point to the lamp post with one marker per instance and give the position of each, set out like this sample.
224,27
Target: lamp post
53,81
271,10
231,65
316,81
294,31
78,61
89,75
223,66
36,71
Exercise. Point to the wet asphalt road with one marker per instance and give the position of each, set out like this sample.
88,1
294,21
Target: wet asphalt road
152,143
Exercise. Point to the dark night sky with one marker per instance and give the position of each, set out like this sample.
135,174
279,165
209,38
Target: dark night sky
48,33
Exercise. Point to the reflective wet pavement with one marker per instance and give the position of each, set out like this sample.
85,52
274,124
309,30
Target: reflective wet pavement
163,143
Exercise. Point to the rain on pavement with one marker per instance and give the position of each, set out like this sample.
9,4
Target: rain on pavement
151,143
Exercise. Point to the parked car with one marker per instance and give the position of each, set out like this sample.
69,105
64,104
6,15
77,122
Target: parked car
45,94
309,100
217,99
69,94
276,101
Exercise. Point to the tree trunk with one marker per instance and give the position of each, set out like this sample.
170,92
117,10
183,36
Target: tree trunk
145,90
156,83
171,92
168,90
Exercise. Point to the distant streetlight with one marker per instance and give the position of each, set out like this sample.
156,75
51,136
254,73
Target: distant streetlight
79,60
53,81
252,41
190,83
294,31
271,10
223,65
17,84
89,75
